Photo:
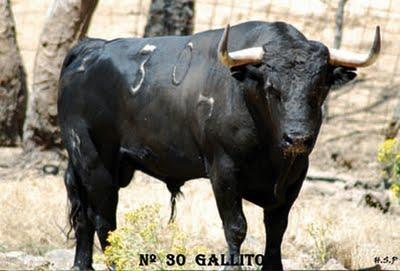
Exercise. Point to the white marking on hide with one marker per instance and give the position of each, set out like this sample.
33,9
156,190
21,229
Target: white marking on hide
142,73
209,101
148,48
81,68
76,141
174,76
190,45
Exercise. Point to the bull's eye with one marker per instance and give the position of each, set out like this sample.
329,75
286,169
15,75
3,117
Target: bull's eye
270,90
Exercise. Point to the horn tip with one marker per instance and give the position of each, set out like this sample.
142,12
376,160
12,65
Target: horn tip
378,31
377,39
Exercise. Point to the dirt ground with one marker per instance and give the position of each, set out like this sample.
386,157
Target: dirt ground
327,221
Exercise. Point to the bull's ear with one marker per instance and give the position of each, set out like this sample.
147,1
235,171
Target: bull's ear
341,75
241,73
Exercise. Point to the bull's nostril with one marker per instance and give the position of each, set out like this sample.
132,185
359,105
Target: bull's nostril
287,139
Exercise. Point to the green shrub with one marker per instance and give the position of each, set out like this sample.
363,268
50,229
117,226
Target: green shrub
319,233
144,233
389,158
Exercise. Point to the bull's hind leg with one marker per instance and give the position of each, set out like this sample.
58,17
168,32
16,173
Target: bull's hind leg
229,203
104,201
80,222
102,188
96,164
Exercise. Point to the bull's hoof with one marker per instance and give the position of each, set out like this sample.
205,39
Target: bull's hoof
75,267
232,267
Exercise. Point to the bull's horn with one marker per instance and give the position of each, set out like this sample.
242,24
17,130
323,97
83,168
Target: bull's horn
353,60
246,56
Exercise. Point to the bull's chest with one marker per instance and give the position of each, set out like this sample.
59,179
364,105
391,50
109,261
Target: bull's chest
259,183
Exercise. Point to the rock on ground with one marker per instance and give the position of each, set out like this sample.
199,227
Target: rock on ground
333,264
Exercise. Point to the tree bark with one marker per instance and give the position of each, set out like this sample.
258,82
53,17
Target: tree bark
394,123
336,44
13,91
170,17
67,21
339,24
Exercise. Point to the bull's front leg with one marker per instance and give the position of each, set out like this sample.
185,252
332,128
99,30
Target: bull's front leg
229,203
276,221
275,226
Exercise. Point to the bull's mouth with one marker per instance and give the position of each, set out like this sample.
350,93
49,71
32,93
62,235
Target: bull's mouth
295,150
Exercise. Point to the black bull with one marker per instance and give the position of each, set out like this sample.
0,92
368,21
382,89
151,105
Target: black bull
180,108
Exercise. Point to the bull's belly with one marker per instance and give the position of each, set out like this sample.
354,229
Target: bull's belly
166,163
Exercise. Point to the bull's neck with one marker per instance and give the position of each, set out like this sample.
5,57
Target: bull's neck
260,113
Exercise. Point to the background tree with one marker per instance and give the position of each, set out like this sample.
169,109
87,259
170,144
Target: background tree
170,17
394,123
67,21
337,42
339,24
13,91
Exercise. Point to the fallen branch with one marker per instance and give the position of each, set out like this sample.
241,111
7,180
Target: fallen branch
329,179
343,136
332,177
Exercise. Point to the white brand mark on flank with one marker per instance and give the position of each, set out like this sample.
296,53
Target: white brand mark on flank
142,74
148,48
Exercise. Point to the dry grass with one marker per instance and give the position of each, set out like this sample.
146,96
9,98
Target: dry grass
34,219
32,212
350,233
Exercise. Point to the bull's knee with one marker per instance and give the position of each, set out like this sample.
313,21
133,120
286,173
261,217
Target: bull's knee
236,229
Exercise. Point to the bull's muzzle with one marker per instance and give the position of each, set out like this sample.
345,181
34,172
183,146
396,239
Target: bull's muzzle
297,144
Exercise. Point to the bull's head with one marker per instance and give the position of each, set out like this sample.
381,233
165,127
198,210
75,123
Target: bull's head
294,75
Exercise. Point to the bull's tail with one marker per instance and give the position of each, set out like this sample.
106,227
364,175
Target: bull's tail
75,201
75,190
82,152
175,191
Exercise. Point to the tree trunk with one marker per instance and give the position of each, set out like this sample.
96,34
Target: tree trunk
336,44
170,17
339,24
394,123
13,91
66,22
